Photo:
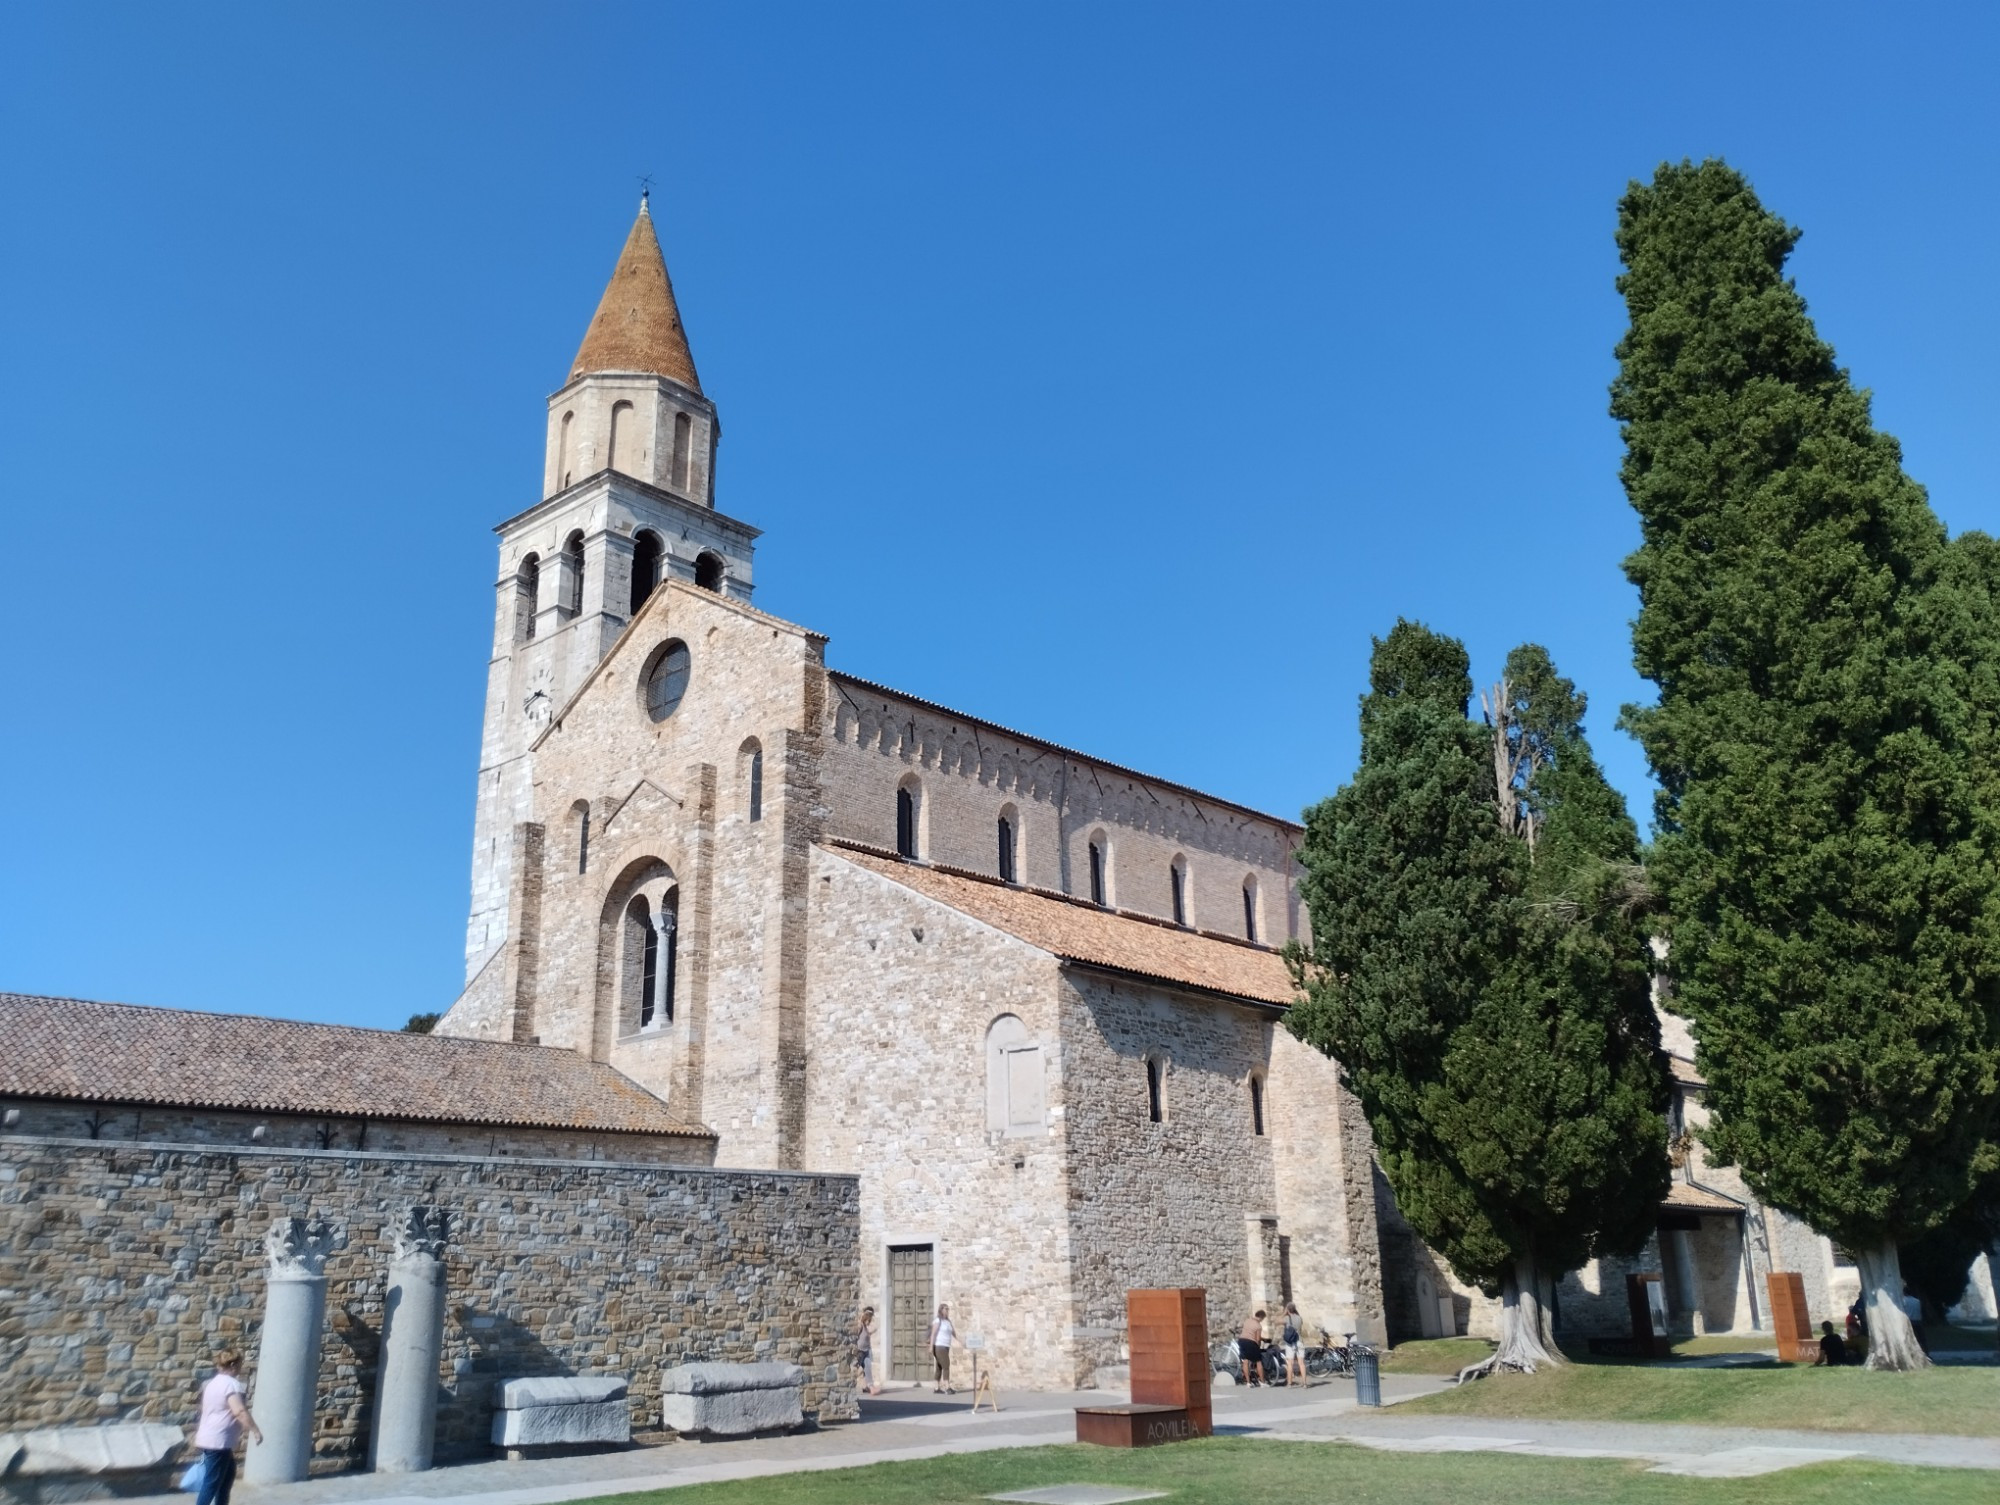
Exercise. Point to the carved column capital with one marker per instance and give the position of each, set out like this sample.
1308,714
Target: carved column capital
425,1232
297,1248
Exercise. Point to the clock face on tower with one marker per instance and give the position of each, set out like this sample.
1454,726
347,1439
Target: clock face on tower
540,703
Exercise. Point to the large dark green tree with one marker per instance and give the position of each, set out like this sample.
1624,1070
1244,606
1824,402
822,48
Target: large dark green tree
1479,970
1825,842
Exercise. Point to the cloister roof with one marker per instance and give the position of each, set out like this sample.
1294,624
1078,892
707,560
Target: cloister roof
129,1053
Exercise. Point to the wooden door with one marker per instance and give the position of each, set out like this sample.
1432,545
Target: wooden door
911,1308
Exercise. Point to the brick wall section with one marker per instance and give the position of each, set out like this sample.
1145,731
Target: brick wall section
123,1123
121,1265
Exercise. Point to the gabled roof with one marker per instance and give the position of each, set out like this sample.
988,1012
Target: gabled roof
71,1048
1085,935
637,326
1685,1196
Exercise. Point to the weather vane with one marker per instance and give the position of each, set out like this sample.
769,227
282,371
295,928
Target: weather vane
645,186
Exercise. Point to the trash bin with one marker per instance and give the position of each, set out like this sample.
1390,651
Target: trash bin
1367,1378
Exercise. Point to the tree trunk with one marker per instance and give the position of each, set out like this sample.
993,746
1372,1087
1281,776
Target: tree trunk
1527,1342
1892,1342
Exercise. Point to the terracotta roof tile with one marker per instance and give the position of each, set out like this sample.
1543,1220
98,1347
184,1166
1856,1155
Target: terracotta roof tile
126,1053
637,326
1684,1196
1082,933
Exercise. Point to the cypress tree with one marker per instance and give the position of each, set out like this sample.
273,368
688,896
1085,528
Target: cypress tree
1824,832
1478,970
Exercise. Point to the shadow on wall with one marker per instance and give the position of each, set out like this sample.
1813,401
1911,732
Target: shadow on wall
1419,1297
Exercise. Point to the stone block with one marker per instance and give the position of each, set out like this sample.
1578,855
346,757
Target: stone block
559,1390
123,1448
732,1400
559,1424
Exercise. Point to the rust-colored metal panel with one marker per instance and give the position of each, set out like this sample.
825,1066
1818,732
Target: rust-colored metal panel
1790,1318
1167,1335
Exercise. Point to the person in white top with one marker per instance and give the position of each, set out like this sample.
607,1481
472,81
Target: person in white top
942,1334
224,1420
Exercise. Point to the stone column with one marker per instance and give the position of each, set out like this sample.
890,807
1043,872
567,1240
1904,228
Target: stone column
286,1398
406,1388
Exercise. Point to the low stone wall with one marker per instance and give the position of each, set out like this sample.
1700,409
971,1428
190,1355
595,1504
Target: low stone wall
122,1265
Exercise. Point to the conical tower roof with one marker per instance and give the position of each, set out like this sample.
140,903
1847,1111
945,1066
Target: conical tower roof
638,325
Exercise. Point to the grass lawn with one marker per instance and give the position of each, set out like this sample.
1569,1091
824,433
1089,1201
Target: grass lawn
1228,1471
1960,1402
1435,1355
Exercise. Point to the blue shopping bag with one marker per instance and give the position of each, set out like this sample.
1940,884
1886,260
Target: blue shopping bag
196,1475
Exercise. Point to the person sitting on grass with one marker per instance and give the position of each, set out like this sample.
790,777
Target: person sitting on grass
1832,1348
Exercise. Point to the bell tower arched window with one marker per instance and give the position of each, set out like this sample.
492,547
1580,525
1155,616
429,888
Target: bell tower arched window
624,443
646,557
565,451
573,560
527,597
709,571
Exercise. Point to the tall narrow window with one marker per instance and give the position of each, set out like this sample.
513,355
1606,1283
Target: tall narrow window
906,821
573,553
563,451
649,974
1250,909
1006,850
683,445
527,597
1156,1096
1177,878
757,784
579,815
645,568
1257,1106
1096,874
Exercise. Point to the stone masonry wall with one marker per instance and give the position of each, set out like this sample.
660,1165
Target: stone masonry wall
122,1122
122,1265
902,993
1172,1203
971,773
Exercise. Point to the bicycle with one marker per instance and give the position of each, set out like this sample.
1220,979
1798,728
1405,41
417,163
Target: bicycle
1325,1357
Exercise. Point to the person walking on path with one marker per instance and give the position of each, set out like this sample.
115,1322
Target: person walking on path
864,1351
1250,1348
942,1334
1294,1339
224,1419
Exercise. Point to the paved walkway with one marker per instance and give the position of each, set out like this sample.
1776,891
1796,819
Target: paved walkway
913,1424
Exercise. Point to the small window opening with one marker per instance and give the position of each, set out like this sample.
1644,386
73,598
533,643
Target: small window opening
581,810
1006,850
683,444
649,977
1250,909
708,572
1097,874
906,822
757,785
1177,875
1155,1093
563,450
646,553
1257,1106
573,552
528,597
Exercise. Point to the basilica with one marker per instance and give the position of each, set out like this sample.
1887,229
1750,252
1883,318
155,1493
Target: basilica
1032,1000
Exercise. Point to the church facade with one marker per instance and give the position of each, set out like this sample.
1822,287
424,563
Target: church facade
1032,1000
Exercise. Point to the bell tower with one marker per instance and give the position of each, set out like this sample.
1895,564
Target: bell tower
628,498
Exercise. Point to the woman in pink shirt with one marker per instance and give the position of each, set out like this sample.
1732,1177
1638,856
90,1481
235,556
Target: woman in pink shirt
224,1419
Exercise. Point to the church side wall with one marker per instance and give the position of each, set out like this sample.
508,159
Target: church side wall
901,994
971,773
149,1125
1177,1203
126,1264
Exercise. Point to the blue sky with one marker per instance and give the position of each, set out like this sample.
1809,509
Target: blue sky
1109,371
